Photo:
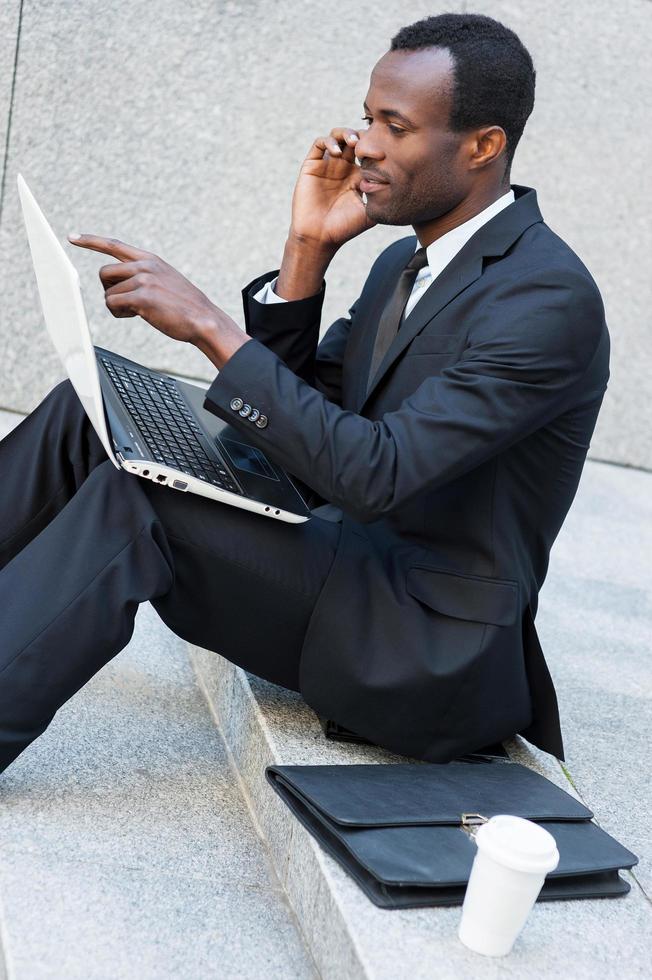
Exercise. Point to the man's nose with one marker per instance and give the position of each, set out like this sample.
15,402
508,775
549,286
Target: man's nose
367,149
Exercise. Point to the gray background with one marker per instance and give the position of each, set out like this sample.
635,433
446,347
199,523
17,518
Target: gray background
180,127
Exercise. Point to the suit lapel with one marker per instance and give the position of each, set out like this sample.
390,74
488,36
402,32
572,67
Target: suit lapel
492,239
457,275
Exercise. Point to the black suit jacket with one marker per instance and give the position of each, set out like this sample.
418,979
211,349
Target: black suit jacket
454,474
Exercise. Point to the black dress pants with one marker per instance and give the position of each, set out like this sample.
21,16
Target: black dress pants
83,543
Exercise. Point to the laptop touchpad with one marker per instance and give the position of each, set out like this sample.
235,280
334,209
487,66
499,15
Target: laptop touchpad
248,458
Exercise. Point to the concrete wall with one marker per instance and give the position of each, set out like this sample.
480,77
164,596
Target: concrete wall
180,127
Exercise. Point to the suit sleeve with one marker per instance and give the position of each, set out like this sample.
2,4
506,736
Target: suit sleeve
529,357
291,330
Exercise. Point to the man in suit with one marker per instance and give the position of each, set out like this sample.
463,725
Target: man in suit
441,429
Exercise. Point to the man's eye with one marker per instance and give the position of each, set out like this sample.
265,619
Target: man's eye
394,129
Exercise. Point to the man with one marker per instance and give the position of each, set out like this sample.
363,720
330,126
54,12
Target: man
442,427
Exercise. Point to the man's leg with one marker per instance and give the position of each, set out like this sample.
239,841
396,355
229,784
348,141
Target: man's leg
43,462
81,548
245,585
95,544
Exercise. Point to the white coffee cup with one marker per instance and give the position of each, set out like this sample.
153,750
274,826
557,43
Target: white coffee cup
513,858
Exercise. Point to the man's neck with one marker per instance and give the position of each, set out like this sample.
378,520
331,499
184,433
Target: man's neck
464,211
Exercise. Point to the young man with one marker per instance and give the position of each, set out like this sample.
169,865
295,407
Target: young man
442,425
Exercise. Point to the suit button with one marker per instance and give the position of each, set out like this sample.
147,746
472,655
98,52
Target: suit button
236,403
261,422
254,415
245,410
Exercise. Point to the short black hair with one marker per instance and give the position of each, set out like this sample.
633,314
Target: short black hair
493,72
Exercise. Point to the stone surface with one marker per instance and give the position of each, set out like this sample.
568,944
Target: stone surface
8,421
126,847
256,739
115,921
127,811
183,132
348,936
9,20
133,773
595,620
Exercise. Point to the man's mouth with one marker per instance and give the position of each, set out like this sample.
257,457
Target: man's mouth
369,184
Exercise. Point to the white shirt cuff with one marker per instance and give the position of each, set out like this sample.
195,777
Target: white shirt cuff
267,295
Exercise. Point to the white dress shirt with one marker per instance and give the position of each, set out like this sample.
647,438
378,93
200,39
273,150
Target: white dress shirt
439,253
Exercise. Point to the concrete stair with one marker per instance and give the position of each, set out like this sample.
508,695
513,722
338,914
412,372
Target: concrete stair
139,838
595,620
126,848
347,935
127,851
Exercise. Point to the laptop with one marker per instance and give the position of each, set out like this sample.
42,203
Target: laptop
151,424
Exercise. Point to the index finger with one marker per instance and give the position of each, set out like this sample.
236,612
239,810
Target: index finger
331,144
111,246
345,135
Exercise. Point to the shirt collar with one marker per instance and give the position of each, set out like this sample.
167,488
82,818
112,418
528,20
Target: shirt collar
442,250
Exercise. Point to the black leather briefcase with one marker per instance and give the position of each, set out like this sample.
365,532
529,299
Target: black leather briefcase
404,832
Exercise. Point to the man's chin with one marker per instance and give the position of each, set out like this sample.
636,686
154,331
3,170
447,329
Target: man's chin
381,216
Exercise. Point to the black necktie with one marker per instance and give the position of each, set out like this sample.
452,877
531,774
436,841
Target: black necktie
391,316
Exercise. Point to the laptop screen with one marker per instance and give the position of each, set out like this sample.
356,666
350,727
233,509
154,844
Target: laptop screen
63,311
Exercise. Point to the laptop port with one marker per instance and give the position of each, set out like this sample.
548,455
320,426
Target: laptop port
161,477
145,472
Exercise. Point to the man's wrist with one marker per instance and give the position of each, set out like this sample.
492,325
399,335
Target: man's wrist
219,337
302,269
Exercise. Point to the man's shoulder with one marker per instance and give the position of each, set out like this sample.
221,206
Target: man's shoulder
538,256
538,248
539,291
541,255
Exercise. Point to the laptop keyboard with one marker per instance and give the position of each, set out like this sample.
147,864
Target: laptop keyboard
167,425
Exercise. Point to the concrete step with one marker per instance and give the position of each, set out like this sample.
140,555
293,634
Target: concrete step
127,851
158,848
347,935
594,617
126,848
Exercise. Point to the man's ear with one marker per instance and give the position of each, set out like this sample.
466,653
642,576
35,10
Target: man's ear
487,145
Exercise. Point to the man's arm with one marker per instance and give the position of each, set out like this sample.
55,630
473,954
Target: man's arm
291,330
525,365
327,211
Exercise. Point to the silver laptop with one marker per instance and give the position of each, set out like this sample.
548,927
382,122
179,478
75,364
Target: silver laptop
150,423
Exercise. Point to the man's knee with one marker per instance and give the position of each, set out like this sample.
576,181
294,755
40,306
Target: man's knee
65,412
64,391
63,398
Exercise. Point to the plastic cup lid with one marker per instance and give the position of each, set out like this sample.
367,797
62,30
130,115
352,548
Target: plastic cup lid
518,843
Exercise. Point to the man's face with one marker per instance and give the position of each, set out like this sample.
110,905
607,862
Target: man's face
407,142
